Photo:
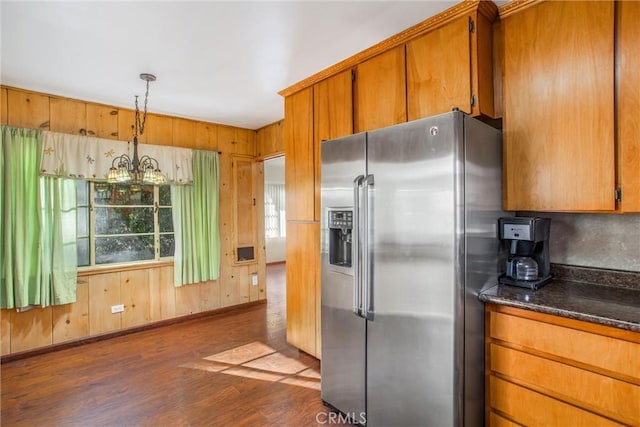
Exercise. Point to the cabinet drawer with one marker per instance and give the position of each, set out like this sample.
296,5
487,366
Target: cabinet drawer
530,408
615,356
614,398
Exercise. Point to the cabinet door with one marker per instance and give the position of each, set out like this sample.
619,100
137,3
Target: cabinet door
299,155
628,91
244,202
380,91
332,118
102,121
439,71
559,150
303,239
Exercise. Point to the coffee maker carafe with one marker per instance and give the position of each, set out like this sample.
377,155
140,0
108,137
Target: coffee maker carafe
528,264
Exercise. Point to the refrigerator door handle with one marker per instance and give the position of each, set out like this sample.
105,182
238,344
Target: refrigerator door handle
367,282
357,248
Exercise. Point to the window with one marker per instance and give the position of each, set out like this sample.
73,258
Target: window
274,214
123,223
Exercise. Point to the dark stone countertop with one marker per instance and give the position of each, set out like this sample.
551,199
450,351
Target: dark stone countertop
605,297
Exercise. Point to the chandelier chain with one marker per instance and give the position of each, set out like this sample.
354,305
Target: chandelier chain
140,123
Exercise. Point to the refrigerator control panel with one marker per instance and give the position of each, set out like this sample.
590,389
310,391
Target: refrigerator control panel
341,219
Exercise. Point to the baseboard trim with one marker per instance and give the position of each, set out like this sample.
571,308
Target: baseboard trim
154,325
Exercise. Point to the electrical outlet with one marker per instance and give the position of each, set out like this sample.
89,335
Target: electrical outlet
254,279
118,308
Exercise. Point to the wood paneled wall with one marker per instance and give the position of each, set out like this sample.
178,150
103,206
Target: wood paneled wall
270,140
147,292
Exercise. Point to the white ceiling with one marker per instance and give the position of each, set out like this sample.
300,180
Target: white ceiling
220,62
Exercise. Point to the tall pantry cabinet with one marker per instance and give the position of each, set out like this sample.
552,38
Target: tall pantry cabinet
318,113
445,58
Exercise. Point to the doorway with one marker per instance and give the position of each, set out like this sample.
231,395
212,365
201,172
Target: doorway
275,221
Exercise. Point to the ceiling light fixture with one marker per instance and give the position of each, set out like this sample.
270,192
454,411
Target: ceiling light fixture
137,170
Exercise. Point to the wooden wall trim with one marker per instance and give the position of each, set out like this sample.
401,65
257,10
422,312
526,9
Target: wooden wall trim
118,268
516,6
486,8
53,96
88,340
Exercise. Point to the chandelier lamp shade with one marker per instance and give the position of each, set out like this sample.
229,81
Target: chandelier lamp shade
136,169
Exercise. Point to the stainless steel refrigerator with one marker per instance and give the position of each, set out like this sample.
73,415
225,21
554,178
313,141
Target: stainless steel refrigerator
409,238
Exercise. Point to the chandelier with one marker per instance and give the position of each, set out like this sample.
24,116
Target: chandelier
137,170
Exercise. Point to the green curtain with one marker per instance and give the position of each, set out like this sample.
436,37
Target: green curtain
59,263
195,219
38,241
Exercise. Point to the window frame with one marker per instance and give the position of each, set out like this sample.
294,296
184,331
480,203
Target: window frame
156,206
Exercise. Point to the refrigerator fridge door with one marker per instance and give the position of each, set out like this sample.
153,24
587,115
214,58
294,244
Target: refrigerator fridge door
343,332
414,211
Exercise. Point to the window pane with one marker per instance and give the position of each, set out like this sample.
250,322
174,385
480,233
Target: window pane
165,195
83,221
82,193
167,245
123,220
165,220
114,194
123,249
83,251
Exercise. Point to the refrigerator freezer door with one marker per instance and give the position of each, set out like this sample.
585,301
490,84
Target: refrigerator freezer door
343,332
411,357
483,207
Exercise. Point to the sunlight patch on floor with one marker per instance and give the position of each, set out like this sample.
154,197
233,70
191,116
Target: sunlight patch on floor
259,361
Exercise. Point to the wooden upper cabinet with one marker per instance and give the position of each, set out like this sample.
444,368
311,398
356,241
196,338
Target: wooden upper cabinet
628,93
332,117
27,109
102,121
559,149
438,71
380,91
333,107
451,67
299,153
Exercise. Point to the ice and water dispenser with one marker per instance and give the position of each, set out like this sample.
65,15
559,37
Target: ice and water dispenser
340,237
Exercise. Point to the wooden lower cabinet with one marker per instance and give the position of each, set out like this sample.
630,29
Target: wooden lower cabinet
303,287
544,370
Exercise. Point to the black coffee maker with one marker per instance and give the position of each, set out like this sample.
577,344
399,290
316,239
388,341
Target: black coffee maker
528,264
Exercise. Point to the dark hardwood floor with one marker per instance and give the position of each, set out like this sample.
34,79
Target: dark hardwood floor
231,369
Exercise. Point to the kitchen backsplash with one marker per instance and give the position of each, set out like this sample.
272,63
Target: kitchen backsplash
594,240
